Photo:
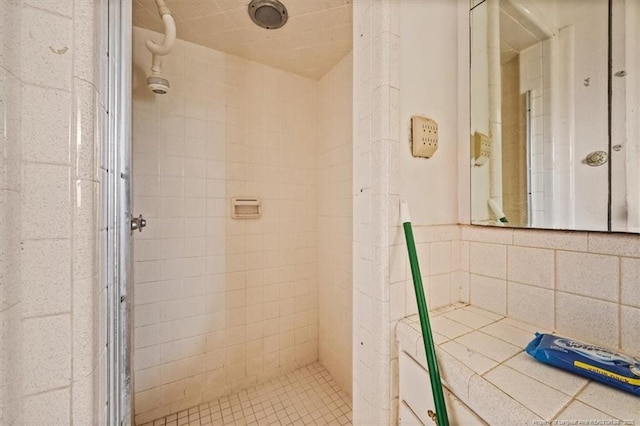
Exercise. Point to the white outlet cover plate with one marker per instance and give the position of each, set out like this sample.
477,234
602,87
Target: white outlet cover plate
424,136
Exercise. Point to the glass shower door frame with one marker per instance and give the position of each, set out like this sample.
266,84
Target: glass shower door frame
117,202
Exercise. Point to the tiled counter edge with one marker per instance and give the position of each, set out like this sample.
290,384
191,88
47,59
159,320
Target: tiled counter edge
503,385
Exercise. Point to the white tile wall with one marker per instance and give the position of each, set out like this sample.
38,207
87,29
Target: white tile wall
222,304
49,200
531,266
335,205
577,283
11,305
592,275
590,319
375,189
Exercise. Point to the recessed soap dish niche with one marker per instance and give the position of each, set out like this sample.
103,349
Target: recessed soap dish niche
246,208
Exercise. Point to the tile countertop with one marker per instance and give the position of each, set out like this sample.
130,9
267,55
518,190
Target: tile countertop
482,361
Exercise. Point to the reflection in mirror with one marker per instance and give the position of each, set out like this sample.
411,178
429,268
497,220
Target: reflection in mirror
625,116
539,115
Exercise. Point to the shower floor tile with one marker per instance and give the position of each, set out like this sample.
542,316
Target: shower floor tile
306,396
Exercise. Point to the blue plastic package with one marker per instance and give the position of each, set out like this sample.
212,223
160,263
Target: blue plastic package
593,362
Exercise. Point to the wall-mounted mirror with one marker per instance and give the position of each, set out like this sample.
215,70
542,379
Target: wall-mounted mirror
555,139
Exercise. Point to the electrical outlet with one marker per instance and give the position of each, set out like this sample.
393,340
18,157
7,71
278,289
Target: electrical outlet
481,148
424,136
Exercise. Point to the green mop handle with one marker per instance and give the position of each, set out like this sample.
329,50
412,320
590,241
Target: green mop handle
432,363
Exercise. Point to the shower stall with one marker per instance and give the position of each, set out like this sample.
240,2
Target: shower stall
226,302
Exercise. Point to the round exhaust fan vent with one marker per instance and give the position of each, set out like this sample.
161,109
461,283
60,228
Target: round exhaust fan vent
269,14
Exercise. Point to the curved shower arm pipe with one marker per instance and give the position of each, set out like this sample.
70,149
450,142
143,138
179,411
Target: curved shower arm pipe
163,9
169,38
156,64
165,47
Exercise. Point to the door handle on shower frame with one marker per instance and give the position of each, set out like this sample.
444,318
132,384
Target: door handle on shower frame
138,223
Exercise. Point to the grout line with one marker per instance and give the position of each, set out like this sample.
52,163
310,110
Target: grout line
620,303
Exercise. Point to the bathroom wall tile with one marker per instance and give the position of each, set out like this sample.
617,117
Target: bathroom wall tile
85,36
488,293
615,244
397,301
45,125
46,203
588,275
531,266
588,319
10,49
487,234
630,338
630,282
398,264
460,287
46,277
440,258
48,408
531,305
560,240
439,291
47,49
63,7
464,255
456,255
410,295
85,215
47,353
539,398
423,251
11,124
488,259
618,404
435,233
83,396
84,341
86,130
10,270
11,352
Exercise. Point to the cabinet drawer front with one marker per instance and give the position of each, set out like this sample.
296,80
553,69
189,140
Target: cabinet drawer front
415,392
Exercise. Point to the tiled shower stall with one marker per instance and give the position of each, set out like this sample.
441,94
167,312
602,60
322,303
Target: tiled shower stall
222,303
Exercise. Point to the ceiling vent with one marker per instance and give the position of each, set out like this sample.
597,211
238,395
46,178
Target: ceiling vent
269,14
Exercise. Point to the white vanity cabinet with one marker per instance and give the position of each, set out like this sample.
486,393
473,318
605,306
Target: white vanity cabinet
416,399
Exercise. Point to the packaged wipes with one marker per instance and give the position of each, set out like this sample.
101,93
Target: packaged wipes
593,362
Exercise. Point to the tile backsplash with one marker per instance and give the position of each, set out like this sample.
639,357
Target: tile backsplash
582,284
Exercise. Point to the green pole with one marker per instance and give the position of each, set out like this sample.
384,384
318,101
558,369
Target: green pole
432,362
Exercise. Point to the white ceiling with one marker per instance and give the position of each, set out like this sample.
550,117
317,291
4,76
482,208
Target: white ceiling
515,36
317,35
